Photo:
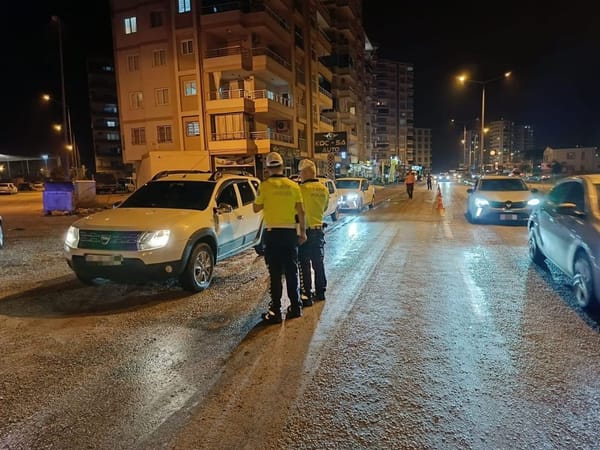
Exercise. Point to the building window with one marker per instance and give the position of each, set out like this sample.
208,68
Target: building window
133,63
110,108
136,100
111,123
161,96
112,136
159,58
192,129
130,25
138,136
156,19
189,88
187,47
164,134
184,6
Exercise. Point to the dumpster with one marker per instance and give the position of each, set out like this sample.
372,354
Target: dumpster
58,196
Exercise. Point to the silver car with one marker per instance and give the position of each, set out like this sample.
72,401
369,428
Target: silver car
500,198
565,229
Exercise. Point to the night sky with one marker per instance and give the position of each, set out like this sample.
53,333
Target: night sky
553,55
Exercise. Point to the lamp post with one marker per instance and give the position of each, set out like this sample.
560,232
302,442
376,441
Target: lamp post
57,20
464,79
69,136
464,143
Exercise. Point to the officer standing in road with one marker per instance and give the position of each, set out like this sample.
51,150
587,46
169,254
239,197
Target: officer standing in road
311,254
280,200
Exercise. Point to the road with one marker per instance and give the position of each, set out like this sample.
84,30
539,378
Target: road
436,334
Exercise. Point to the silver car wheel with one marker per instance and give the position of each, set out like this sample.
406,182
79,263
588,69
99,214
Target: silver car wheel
583,287
199,269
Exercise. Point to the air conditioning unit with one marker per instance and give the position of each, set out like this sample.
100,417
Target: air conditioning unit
282,126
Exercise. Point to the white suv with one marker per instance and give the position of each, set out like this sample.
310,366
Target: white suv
176,226
333,208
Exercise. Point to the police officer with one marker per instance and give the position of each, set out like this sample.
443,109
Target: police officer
280,200
315,196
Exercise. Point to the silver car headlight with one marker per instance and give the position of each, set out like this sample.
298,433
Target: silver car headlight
533,202
152,240
72,237
352,196
481,202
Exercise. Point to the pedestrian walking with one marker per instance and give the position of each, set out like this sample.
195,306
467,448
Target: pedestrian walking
409,181
280,200
429,188
311,253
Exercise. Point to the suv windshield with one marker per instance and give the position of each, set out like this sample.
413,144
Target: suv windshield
347,184
514,184
172,194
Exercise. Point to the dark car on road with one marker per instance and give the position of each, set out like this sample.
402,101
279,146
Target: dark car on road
565,229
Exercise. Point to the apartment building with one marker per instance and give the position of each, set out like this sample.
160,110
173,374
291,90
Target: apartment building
216,84
394,116
104,115
422,153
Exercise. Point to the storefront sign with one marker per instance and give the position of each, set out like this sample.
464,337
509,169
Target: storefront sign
331,142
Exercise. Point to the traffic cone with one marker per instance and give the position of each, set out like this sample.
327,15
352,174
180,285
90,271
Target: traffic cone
439,203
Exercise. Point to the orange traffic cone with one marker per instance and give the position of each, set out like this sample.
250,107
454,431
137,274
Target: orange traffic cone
439,203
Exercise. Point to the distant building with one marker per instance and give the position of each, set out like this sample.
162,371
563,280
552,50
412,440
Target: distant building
423,148
573,160
394,115
104,114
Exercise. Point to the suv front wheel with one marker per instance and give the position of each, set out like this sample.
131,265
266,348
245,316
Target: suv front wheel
198,271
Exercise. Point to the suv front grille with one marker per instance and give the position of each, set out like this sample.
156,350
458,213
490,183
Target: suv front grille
513,205
109,240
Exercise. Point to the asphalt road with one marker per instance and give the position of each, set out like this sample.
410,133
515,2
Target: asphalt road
435,334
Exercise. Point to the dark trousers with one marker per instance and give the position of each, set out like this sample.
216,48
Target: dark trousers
311,254
410,187
281,256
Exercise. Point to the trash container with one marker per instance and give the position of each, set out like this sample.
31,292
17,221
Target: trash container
58,196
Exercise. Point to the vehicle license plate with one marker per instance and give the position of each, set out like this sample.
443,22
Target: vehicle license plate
508,217
104,260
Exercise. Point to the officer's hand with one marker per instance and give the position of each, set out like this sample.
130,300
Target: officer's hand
302,238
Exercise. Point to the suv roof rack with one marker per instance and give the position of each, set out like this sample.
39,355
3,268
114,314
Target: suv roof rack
164,173
225,171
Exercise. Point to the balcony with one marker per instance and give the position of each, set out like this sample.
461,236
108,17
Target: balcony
272,104
266,60
230,101
244,142
227,58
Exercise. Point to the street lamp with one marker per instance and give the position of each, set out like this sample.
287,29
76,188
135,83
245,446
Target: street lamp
464,79
464,143
69,136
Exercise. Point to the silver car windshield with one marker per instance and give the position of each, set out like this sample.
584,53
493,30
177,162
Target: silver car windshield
503,185
171,194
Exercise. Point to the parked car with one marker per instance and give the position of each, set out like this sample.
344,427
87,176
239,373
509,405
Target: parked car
355,193
8,188
176,226
333,208
443,177
565,229
1,232
500,198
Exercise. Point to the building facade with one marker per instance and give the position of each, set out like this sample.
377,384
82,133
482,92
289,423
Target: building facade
422,154
572,160
222,83
104,115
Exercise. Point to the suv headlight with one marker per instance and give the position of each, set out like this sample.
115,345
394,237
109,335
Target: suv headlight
533,202
352,196
481,202
72,237
151,240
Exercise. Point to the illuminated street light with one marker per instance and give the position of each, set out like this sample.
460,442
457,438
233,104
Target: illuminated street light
465,79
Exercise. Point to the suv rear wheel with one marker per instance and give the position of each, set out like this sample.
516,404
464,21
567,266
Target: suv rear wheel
198,271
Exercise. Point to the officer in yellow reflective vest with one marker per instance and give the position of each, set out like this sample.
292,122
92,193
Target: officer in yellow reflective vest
315,196
280,200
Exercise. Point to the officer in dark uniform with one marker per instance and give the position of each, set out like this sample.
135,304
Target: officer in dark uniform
315,196
280,200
